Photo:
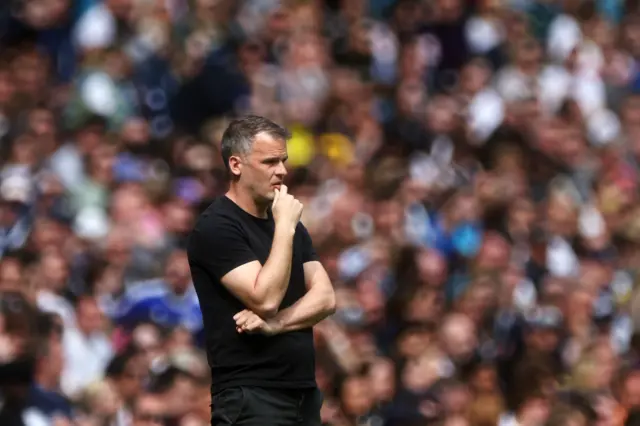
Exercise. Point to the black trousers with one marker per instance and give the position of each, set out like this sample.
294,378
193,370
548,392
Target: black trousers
253,406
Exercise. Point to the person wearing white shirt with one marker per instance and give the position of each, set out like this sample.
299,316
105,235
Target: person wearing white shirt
87,348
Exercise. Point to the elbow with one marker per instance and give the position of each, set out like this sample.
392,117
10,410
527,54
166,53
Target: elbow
330,305
266,310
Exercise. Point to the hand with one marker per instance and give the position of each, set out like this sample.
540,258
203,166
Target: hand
286,209
248,322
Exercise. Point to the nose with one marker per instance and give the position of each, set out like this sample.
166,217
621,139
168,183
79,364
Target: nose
281,170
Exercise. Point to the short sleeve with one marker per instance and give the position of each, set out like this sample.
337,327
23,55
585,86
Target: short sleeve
308,252
219,248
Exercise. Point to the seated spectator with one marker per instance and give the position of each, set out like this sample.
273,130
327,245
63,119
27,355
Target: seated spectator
169,302
87,348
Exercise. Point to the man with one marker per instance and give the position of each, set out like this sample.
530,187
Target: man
169,301
260,286
87,348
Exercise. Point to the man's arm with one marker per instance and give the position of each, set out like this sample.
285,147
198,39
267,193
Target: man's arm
318,303
262,288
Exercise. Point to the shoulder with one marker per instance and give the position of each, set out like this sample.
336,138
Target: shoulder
218,223
50,403
302,233
218,216
301,229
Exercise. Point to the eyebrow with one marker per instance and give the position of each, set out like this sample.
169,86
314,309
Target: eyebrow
283,158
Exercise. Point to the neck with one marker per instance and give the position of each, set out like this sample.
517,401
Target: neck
242,198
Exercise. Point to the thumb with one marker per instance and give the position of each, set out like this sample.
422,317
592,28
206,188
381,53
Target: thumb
275,198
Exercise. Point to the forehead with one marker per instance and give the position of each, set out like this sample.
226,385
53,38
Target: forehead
266,145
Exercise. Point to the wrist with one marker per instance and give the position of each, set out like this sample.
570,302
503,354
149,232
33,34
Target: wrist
276,325
284,230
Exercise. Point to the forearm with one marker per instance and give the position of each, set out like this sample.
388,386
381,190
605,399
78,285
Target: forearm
273,280
309,310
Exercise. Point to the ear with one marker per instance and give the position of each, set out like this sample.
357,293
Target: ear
235,165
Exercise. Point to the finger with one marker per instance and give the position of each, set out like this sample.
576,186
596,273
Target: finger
284,190
241,322
275,197
239,329
253,324
240,315
242,319
236,316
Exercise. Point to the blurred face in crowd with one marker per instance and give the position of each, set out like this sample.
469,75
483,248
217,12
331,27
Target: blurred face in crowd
128,204
458,336
414,341
485,380
607,362
542,339
528,54
425,306
89,316
432,268
89,137
262,170
42,124
51,361
101,161
7,88
631,35
118,247
494,253
464,208
347,221
630,392
24,150
148,411
371,299
521,218
357,396
178,217
477,300
441,114
561,215
605,406
474,77
182,397
129,385
105,401
180,338
421,372
29,71
383,379
147,338
54,271
47,233
178,273
10,274
389,216
456,398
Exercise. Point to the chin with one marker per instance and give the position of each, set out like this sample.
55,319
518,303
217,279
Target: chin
269,196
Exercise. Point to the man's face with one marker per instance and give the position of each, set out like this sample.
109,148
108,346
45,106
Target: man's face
149,411
178,273
262,170
89,316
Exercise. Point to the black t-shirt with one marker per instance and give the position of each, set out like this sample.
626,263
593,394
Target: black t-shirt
225,237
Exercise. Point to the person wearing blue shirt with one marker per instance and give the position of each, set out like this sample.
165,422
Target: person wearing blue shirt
169,301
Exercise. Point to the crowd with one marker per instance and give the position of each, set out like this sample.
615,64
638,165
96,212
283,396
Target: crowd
469,170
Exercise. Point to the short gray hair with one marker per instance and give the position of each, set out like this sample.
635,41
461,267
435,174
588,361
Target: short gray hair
240,134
